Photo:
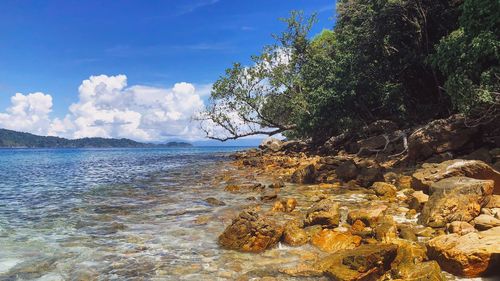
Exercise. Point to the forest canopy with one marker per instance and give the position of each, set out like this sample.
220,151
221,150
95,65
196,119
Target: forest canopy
408,61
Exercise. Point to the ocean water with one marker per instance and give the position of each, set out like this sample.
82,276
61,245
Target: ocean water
107,214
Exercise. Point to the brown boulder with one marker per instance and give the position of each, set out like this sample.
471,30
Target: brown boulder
325,212
331,241
440,136
455,199
484,222
294,234
423,178
347,170
253,162
425,271
407,232
251,232
367,262
386,231
494,202
383,189
369,215
369,172
305,174
287,205
409,263
460,227
358,226
417,200
404,182
470,255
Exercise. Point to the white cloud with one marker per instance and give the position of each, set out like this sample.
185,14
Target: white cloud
106,107
28,113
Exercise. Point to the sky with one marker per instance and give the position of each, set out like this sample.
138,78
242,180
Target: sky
135,69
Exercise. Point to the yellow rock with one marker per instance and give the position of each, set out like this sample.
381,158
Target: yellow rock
331,241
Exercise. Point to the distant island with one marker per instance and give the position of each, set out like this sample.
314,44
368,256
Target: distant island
14,139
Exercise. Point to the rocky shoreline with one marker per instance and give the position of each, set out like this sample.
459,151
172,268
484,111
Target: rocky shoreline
414,204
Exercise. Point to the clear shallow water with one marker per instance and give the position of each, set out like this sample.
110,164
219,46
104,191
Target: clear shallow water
106,214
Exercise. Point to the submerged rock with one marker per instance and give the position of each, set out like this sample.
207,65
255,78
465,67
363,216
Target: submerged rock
470,255
249,187
269,195
214,201
277,184
455,199
31,269
325,212
251,232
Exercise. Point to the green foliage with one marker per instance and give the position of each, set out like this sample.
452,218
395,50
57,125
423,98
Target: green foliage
267,97
469,58
372,66
403,60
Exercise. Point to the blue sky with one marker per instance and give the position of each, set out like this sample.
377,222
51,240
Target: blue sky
52,46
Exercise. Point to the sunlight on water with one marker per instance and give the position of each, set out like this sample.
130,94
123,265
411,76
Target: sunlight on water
105,214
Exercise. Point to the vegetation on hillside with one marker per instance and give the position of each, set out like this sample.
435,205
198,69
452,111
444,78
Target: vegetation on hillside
408,61
11,139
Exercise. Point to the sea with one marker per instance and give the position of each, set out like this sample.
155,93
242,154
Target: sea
108,214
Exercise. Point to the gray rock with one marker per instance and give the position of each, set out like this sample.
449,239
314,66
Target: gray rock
272,144
455,199
485,222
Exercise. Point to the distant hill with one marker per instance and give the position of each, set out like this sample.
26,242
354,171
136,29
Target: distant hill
13,139
175,144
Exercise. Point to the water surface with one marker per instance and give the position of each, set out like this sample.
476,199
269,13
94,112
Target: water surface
105,214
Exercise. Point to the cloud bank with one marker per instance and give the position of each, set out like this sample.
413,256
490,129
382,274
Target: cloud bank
107,107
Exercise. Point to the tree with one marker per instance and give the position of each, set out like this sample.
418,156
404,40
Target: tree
373,66
267,97
469,59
